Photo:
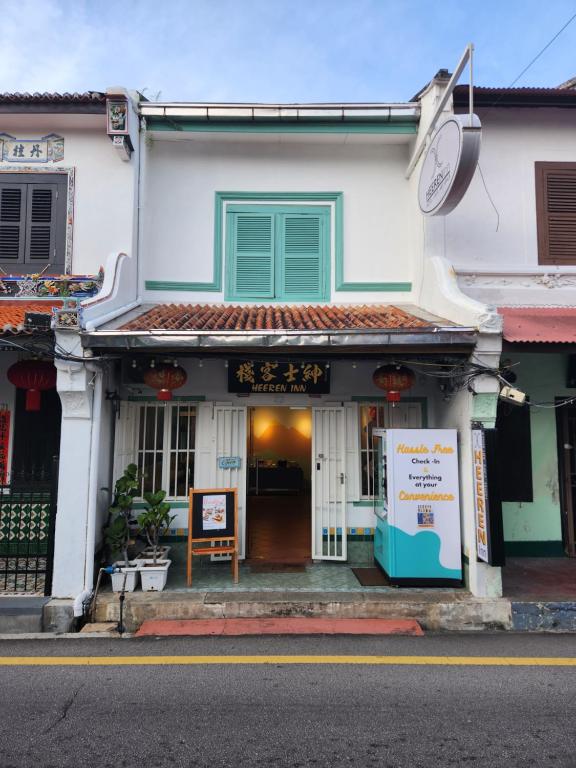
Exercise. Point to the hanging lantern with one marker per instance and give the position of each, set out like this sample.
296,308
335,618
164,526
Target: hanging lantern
165,378
33,376
394,380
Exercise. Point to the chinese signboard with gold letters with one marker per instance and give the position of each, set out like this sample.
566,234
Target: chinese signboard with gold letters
278,377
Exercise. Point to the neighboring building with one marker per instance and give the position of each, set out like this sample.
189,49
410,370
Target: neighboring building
512,242
66,212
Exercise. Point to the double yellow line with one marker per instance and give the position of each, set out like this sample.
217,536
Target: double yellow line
158,661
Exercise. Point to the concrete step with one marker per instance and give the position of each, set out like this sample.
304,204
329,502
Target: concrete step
432,609
21,614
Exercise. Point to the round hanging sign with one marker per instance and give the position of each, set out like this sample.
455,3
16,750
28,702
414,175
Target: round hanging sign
449,164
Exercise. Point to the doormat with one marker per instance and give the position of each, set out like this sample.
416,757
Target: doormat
277,567
371,577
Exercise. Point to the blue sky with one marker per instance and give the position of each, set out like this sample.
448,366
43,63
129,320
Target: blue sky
277,50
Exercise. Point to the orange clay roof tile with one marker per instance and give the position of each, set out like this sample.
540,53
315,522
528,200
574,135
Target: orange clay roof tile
218,317
12,313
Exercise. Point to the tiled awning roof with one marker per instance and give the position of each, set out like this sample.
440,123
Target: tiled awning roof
515,97
211,317
91,102
549,325
88,97
12,314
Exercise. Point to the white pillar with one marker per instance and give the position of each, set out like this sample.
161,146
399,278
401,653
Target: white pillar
483,580
74,535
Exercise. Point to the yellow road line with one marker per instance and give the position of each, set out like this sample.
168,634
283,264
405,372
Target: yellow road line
153,661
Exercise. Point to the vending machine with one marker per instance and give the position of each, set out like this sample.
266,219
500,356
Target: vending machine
417,506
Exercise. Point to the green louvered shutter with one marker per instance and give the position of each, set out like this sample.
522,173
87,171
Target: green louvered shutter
303,249
252,251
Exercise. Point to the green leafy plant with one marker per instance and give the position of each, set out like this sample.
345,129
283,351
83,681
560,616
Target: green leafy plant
155,520
117,536
126,489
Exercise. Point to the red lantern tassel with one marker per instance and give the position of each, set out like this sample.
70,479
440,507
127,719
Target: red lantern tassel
33,399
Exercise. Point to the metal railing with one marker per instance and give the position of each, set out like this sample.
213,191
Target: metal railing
27,522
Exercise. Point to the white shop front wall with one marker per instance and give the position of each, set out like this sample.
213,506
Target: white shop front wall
220,427
183,176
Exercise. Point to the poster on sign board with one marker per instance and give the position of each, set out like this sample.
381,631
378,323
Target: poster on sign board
424,503
214,512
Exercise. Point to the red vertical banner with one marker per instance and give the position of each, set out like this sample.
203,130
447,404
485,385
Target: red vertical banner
4,444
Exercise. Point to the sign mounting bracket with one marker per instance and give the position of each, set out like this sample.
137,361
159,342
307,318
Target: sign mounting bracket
465,59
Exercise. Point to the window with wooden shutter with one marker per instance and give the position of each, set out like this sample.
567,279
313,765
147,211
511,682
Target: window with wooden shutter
32,222
278,252
302,254
12,223
556,212
252,253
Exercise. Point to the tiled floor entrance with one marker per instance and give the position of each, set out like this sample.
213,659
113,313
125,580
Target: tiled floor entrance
279,529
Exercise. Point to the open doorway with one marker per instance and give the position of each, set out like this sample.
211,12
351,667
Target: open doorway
278,502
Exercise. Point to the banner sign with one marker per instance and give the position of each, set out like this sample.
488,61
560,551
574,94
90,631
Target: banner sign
278,377
481,510
424,502
4,443
487,502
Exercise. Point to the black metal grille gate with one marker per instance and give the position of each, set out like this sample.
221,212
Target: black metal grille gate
27,522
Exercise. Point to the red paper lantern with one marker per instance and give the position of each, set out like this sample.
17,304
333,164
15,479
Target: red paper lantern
165,378
33,376
394,380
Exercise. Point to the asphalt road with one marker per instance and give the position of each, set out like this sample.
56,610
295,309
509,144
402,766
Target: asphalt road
305,715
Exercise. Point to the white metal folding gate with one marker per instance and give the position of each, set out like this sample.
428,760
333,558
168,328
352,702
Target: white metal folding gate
222,431
328,484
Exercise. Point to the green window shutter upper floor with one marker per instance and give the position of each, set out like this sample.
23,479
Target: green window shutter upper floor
278,252
251,249
302,256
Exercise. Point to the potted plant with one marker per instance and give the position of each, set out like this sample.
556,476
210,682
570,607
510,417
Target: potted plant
154,522
118,533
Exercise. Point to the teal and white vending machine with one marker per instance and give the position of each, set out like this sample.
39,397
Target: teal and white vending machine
417,505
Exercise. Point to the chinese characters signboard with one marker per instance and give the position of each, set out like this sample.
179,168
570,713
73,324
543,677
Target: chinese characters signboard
279,377
46,149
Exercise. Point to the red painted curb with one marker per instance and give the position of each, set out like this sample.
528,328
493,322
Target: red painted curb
283,626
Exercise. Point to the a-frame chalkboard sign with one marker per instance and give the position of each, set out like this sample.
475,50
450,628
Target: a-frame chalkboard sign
213,524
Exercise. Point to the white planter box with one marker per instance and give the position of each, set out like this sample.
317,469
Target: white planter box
148,553
131,577
153,577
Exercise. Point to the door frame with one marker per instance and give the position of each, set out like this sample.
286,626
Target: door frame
249,426
318,461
